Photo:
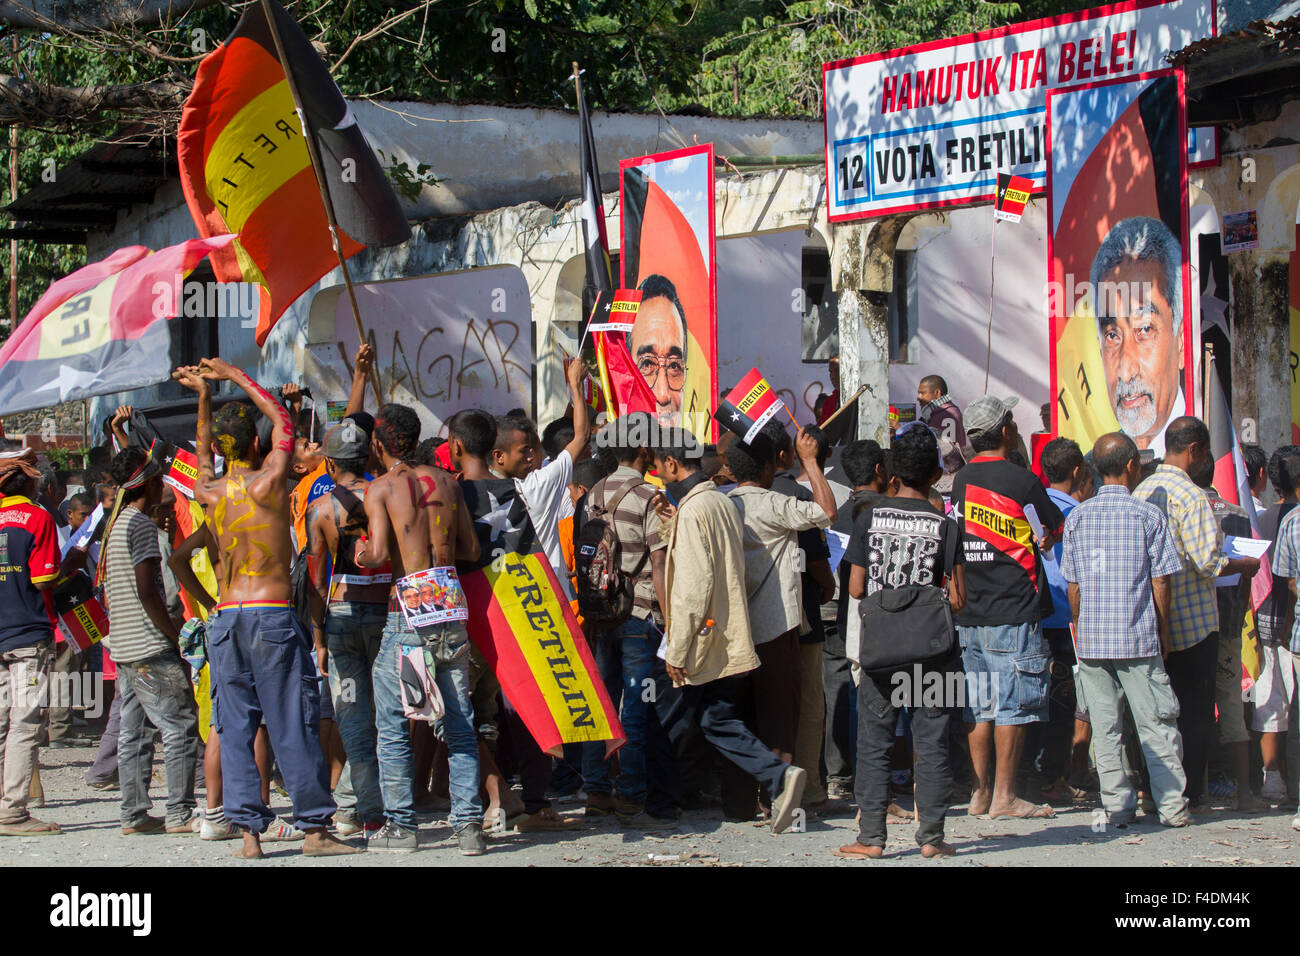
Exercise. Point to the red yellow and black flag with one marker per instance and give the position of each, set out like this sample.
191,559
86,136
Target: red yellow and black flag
245,168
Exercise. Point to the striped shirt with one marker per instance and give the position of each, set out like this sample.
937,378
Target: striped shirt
1194,606
132,636
638,528
1113,547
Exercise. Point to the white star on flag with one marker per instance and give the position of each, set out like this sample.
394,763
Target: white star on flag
498,519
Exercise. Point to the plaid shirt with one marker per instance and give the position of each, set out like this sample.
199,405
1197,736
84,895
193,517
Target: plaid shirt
1286,563
1194,605
638,528
1114,545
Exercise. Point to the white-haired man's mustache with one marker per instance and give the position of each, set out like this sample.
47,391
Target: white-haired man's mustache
1133,388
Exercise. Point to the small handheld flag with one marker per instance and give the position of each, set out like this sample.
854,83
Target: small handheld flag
1012,194
748,406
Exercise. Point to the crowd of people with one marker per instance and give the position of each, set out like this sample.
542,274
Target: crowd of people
937,619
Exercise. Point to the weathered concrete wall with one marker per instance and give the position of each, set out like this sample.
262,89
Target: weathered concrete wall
1260,170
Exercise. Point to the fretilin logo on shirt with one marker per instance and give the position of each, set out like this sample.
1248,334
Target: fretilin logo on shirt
75,909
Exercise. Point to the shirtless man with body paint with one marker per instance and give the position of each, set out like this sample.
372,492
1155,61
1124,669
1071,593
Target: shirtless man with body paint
418,520
259,653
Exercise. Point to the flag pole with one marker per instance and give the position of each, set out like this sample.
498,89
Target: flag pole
988,354
314,156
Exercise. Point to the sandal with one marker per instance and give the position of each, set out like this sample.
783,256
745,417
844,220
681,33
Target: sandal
544,819
29,827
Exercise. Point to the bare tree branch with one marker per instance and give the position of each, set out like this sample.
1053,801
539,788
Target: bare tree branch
93,14
37,105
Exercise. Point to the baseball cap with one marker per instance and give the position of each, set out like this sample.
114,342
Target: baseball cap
986,412
365,420
346,441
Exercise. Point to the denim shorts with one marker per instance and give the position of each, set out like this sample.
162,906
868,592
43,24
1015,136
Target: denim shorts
1008,671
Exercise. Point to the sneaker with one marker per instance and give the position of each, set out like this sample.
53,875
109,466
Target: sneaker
470,839
218,829
573,796
145,826
787,800
391,838
839,788
646,821
189,826
346,823
62,744
1274,789
282,832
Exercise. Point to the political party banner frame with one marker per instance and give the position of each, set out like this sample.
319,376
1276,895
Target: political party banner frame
1133,21
699,398
1062,310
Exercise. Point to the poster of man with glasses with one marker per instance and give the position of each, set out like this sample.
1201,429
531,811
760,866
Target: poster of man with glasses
667,254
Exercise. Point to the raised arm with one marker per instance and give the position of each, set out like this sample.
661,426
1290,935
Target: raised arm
806,446
191,377
280,455
577,371
120,417
361,367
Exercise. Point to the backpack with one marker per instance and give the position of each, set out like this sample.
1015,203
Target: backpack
604,590
908,625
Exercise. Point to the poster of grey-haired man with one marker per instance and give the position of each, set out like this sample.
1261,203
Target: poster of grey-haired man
1137,286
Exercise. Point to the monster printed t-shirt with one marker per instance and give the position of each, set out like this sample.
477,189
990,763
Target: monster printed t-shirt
1005,583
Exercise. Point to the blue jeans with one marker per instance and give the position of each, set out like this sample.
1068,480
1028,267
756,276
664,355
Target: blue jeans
263,665
625,657
450,643
353,632
157,691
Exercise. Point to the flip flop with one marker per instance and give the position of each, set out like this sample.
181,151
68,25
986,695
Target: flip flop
30,827
539,822
1042,811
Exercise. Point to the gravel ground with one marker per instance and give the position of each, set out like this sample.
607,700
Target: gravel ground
1223,838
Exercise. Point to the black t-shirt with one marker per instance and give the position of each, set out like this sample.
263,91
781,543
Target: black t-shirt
1003,568
901,542
1274,614
845,518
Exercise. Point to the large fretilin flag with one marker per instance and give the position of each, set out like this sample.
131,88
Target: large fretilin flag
619,373
102,329
526,630
244,165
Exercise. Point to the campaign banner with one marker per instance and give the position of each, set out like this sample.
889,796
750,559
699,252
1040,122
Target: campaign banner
749,406
1119,289
668,255
932,125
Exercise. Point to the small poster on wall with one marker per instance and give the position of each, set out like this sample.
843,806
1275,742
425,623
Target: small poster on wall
1240,231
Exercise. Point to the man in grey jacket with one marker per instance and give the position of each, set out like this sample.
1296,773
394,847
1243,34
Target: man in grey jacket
707,640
